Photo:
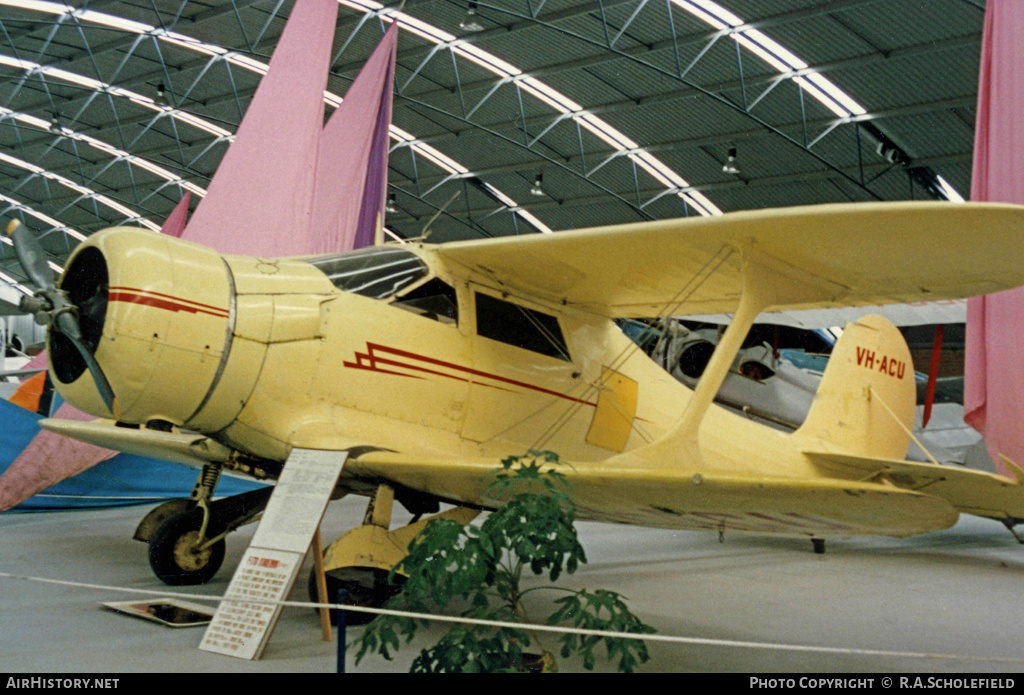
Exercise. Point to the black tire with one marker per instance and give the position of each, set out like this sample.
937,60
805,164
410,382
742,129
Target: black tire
173,552
366,587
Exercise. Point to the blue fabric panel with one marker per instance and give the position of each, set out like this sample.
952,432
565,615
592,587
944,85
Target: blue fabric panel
123,480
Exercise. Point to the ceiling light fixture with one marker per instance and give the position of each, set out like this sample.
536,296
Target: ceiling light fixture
538,186
161,96
471,22
730,166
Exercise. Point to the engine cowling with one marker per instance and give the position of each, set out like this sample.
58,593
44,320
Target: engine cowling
157,314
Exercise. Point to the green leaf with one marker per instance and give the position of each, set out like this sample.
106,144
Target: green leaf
474,571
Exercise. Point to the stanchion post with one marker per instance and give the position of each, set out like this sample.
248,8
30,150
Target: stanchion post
341,599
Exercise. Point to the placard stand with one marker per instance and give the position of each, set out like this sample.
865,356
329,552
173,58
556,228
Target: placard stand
244,620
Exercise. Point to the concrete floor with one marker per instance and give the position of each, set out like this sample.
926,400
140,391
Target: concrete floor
942,602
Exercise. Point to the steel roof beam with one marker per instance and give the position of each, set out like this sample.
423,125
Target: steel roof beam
965,101
652,193
575,160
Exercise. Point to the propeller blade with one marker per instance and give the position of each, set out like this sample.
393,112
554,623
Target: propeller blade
32,256
68,325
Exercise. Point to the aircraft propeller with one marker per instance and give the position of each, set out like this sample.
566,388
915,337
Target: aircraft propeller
50,305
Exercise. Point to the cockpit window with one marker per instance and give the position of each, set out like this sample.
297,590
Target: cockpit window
516,325
434,299
372,272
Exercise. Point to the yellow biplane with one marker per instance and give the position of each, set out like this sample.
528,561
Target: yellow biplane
428,364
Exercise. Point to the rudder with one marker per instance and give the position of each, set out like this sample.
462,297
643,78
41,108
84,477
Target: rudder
866,402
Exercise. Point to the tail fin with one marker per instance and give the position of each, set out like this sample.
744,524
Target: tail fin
867,391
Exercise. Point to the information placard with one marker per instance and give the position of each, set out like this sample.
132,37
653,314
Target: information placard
244,621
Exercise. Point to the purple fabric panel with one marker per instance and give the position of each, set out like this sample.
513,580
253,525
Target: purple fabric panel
351,159
49,458
371,208
994,382
259,200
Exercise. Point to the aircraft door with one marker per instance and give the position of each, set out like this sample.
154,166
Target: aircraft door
523,379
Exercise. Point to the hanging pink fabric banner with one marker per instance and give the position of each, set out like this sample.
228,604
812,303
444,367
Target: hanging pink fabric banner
352,170
49,458
262,190
259,201
994,381
174,225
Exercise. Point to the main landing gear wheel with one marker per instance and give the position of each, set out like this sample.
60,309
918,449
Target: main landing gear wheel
175,551
366,587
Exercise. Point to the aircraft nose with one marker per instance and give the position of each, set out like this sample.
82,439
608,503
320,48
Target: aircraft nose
154,314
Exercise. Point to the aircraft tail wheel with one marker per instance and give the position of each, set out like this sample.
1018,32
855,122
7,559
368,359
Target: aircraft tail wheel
175,553
366,586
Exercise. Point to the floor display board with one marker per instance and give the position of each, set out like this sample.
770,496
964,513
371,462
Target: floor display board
244,621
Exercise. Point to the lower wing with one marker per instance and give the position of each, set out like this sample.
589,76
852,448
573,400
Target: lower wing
656,497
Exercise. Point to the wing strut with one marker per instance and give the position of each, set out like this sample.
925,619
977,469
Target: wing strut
754,297
766,282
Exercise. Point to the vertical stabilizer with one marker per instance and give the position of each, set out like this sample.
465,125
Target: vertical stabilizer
866,401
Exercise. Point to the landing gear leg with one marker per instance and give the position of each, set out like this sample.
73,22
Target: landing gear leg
362,559
183,548
1010,525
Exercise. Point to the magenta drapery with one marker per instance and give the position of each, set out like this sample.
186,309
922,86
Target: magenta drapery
259,200
48,459
994,380
174,225
289,185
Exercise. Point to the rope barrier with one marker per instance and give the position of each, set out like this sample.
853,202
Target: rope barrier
671,639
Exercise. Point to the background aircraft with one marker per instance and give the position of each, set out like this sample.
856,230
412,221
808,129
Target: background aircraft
775,376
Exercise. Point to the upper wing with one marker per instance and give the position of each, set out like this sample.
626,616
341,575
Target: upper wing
842,255
916,314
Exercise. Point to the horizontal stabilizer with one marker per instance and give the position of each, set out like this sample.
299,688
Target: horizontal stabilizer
967,490
179,447
689,499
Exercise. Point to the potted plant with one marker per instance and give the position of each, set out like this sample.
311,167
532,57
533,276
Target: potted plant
479,570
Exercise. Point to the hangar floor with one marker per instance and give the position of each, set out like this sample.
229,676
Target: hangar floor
942,602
